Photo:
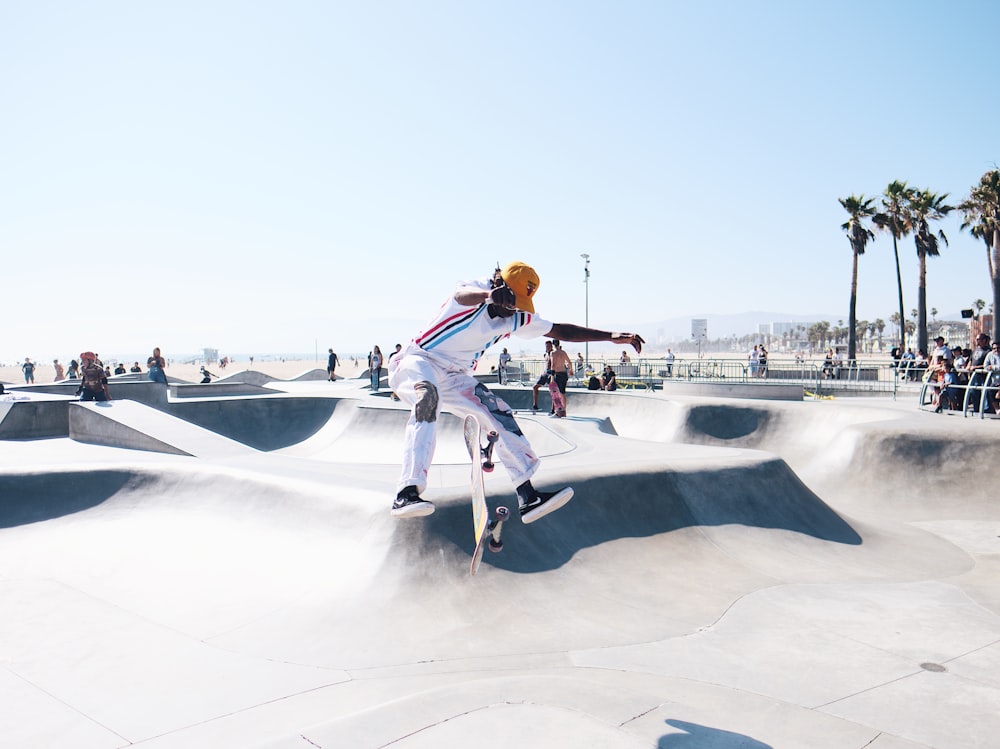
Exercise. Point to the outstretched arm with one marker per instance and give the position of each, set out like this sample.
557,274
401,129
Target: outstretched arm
580,334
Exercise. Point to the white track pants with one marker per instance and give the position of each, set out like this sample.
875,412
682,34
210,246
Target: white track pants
429,388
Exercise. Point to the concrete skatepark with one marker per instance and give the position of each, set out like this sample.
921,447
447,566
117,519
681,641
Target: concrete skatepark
217,567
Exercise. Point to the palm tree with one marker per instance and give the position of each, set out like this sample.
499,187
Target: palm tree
895,219
926,206
879,326
978,306
861,329
859,235
981,216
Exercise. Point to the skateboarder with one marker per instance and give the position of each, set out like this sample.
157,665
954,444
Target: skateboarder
435,373
93,379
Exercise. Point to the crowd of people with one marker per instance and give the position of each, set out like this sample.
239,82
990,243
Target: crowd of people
92,374
961,377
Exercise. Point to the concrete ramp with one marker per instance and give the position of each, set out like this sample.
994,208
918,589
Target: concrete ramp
727,575
35,416
359,433
139,427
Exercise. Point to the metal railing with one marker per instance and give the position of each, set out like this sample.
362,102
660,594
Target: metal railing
978,396
859,377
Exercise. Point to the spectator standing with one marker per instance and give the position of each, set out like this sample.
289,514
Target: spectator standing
28,368
562,369
941,352
947,396
397,352
502,361
992,366
375,368
156,365
828,363
543,380
331,366
60,372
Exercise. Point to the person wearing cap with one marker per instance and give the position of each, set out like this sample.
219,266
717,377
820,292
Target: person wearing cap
435,372
941,352
93,379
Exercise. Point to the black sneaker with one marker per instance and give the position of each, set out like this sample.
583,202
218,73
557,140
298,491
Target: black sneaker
408,504
539,504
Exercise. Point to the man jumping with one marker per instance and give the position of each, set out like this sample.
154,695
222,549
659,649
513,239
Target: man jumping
435,373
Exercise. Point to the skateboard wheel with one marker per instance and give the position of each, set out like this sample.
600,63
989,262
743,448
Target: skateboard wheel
502,513
492,437
488,466
496,546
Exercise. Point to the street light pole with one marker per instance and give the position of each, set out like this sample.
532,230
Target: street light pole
586,308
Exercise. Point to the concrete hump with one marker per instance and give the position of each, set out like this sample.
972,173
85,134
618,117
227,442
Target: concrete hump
135,426
34,418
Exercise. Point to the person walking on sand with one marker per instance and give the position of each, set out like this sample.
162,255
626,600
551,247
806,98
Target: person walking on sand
331,366
435,373
28,368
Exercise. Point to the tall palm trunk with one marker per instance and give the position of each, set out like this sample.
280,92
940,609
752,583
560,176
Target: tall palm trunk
853,313
899,285
996,284
922,304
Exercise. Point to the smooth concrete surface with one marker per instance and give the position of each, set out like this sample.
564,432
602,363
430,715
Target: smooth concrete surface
731,573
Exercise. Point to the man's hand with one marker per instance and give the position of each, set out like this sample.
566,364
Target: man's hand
502,296
633,338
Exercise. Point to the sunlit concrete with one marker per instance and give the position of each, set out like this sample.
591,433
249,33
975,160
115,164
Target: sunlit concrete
220,570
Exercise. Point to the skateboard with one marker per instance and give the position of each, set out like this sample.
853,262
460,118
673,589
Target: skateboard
486,530
558,399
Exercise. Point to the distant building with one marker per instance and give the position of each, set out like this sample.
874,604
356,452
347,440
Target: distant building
955,332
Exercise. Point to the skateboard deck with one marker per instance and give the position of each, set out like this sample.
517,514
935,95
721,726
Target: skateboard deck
485,530
558,399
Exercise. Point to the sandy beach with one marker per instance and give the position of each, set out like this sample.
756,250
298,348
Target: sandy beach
282,369
290,368
275,366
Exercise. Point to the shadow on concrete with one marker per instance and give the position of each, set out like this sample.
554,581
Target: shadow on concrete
697,736
261,423
607,508
724,422
38,497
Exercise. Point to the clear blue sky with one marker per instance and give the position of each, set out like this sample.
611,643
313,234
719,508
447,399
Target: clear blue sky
276,177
